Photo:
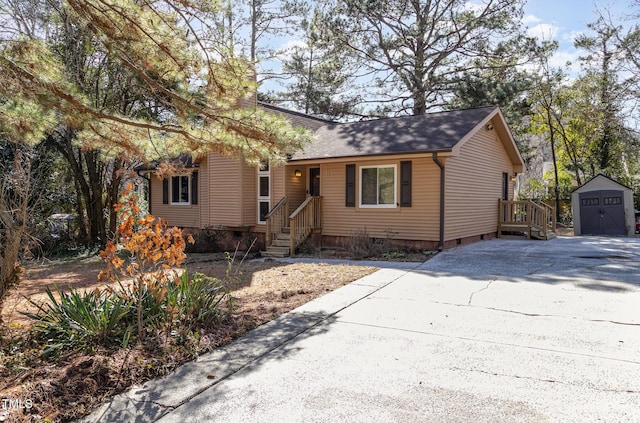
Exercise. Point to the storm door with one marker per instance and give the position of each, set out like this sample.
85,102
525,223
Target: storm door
314,182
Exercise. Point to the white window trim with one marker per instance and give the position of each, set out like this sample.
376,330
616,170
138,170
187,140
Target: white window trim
261,199
395,188
179,203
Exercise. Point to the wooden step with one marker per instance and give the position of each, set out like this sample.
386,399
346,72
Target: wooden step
280,242
275,252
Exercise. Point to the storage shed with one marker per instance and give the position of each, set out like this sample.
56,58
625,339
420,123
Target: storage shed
603,206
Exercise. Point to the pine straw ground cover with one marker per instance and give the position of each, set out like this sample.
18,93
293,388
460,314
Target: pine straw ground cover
74,383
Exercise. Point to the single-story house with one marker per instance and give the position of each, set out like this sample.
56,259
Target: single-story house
602,206
430,182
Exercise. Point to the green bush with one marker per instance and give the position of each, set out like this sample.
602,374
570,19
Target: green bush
82,319
108,317
198,300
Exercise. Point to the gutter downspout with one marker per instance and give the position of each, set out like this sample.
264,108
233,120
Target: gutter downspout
441,166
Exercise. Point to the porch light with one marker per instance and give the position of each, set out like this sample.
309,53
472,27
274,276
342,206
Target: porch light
514,177
489,127
298,173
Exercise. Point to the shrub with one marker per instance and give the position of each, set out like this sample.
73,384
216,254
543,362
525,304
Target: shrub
82,319
198,301
360,245
107,318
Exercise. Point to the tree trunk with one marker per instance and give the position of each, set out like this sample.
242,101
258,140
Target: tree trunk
96,209
552,139
88,174
14,203
113,192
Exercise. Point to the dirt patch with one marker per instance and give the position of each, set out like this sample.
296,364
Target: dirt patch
77,383
562,230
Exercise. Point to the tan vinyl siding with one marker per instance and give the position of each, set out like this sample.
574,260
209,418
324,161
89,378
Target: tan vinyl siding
186,216
225,191
296,186
277,184
249,195
474,186
203,193
418,222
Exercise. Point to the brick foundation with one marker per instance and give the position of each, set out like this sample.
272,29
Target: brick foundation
220,240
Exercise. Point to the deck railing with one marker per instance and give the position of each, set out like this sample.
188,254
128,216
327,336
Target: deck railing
306,218
526,216
276,220
551,214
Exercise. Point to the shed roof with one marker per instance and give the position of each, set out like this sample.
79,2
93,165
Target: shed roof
432,132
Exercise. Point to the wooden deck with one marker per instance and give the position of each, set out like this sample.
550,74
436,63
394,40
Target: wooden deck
535,219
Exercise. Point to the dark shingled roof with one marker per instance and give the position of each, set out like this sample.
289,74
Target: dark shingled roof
423,133
296,118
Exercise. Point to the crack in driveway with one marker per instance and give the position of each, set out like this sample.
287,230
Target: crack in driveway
491,342
480,290
621,391
531,314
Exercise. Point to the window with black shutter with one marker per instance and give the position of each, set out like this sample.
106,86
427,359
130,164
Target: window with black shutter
180,189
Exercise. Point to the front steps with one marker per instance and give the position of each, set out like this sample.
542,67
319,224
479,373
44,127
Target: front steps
279,246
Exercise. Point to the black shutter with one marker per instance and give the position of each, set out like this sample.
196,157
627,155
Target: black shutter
194,187
165,191
149,197
405,184
350,188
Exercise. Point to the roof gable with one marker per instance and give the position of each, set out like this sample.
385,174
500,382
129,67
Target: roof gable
598,182
495,121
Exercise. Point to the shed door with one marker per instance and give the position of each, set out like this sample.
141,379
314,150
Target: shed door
602,213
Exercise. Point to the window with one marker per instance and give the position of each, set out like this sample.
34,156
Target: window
180,189
590,202
612,201
264,192
378,186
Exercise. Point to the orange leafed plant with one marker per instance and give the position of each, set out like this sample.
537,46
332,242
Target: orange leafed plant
150,247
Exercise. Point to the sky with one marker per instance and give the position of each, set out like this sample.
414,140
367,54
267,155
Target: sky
562,20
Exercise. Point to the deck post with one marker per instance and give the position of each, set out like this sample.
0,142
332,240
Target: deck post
292,236
528,210
500,218
268,235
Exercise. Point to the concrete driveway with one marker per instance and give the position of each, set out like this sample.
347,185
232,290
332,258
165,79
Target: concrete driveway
497,331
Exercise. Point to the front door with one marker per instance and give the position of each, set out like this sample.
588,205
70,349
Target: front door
314,182
602,213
